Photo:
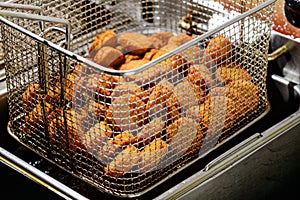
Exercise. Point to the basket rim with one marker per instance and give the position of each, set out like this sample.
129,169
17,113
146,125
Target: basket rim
147,65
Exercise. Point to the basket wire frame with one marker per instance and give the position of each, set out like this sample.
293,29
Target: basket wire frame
87,119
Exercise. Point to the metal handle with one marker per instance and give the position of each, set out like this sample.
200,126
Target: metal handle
43,65
281,50
12,5
19,6
42,58
38,17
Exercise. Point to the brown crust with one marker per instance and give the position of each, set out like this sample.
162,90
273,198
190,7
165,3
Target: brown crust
162,94
219,115
73,126
244,94
124,162
188,94
127,88
32,96
201,76
196,113
99,86
179,39
108,152
114,145
131,57
169,68
160,39
135,43
123,139
72,88
105,38
151,130
96,137
169,47
95,110
229,74
158,54
109,57
152,155
217,91
219,48
133,64
34,120
183,135
193,54
150,54
127,112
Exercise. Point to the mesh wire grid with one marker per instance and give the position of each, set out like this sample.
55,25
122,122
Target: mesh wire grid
126,131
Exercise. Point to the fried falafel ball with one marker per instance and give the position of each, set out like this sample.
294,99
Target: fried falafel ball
162,101
113,146
152,155
124,162
188,94
32,96
96,137
184,136
160,39
245,95
219,48
150,131
126,112
109,57
219,115
98,87
228,74
66,130
201,76
105,38
135,43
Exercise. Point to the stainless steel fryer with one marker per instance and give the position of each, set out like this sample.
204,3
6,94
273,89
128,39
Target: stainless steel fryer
42,57
266,170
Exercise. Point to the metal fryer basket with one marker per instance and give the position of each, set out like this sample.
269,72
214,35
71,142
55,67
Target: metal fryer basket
124,132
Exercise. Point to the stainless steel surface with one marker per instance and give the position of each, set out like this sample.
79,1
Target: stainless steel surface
60,136
269,171
290,70
38,176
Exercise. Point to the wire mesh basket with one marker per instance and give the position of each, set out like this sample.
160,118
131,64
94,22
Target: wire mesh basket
124,94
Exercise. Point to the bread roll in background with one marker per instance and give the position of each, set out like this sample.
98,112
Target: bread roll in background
280,23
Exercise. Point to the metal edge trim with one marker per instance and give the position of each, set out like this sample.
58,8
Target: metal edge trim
37,176
203,176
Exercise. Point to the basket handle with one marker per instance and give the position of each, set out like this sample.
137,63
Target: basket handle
43,65
40,17
10,4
